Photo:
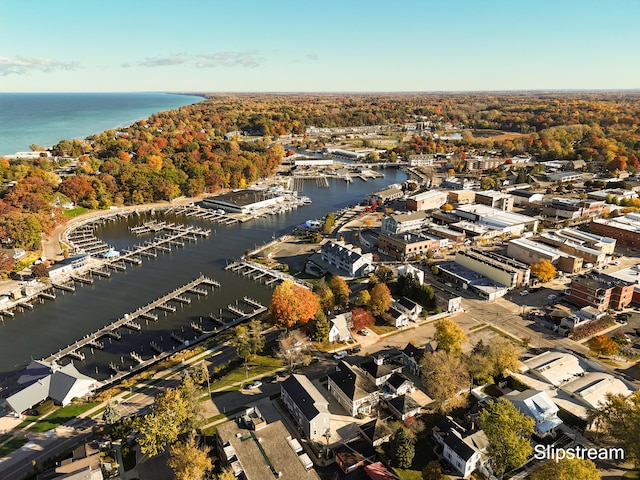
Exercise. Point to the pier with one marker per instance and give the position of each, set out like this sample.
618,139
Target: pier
128,320
258,272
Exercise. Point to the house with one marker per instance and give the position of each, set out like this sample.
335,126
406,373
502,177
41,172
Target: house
306,404
353,455
376,432
250,447
356,392
347,257
62,384
411,358
464,450
378,371
403,407
397,385
340,331
409,308
396,318
539,406
83,464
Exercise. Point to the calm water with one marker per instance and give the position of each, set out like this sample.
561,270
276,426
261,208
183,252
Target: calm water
47,118
52,325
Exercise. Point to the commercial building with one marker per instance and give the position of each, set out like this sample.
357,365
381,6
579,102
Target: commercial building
461,197
407,245
562,209
592,388
495,199
454,274
428,200
386,195
588,255
507,222
562,177
454,236
501,269
531,252
244,201
554,367
626,230
403,222
306,404
605,245
254,449
525,197
600,291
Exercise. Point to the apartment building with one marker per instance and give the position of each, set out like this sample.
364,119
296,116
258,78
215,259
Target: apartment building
602,292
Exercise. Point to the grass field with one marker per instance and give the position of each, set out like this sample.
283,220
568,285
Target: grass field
258,366
12,445
61,416
75,212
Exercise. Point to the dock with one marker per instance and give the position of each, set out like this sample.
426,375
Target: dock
262,274
128,320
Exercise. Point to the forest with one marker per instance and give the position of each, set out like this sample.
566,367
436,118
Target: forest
184,151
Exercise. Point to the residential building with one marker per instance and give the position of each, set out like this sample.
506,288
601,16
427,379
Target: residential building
403,222
538,405
495,199
407,245
626,230
410,308
403,407
602,292
379,371
531,252
396,318
411,358
250,447
408,269
353,389
421,160
306,404
339,328
463,449
428,200
347,257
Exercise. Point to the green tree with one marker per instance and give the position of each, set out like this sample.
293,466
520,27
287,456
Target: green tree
363,298
248,341
162,425
380,299
340,290
189,460
509,434
619,420
321,327
401,448
567,469
384,274
433,471
444,375
111,414
329,222
449,336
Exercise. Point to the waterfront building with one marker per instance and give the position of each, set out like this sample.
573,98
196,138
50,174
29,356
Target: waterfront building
306,404
244,201
403,222
347,257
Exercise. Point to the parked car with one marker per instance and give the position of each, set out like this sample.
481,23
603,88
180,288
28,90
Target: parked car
524,293
354,350
254,385
552,296
364,332
272,378
340,355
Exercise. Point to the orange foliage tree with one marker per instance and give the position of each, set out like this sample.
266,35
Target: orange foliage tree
292,304
603,345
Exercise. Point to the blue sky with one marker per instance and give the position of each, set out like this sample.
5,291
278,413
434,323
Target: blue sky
303,45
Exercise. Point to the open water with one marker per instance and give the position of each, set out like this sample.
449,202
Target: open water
47,118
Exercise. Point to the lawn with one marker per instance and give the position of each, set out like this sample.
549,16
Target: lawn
633,474
61,416
75,212
12,445
258,366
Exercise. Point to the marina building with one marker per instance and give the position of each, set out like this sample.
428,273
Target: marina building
306,404
347,257
403,222
244,201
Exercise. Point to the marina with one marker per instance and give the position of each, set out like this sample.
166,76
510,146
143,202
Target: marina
260,273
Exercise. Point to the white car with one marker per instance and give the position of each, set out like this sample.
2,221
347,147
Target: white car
254,385
552,296
340,355
524,293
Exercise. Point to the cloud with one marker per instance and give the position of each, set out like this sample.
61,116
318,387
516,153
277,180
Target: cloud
246,58
165,61
25,66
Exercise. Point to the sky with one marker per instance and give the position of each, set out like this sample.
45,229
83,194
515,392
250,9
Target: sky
318,46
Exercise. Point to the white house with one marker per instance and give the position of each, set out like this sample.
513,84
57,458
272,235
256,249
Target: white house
339,331
409,307
306,404
539,406
463,450
347,257
396,318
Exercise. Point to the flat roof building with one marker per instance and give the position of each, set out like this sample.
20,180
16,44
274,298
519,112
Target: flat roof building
428,200
531,252
243,201
592,388
600,291
554,367
626,230
509,222
501,269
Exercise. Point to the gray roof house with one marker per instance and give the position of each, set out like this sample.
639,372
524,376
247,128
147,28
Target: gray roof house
61,385
340,327
306,404
353,389
347,258
539,406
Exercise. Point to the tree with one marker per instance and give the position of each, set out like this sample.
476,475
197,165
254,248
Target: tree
384,274
226,474
543,270
603,345
567,469
111,414
361,319
294,349
509,434
380,300
248,341
443,374
188,460
449,336
325,296
329,222
619,419
433,471
39,270
447,207
340,290
162,425
321,327
292,304
503,356
401,448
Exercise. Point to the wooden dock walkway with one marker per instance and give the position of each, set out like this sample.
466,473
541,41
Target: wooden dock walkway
263,274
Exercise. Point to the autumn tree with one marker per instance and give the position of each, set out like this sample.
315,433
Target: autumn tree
292,304
509,434
444,375
603,345
189,460
329,222
401,448
543,270
361,319
619,420
449,336
162,425
362,298
294,349
567,469
340,290
380,300
325,295
384,274
40,270
503,356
